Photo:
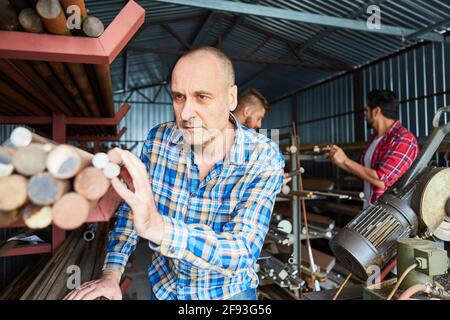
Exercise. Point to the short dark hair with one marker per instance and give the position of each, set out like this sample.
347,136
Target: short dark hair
249,96
385,99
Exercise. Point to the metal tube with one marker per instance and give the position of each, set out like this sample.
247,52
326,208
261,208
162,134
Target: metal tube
55,103
44,70
104,79
63,75
30,21
79,75
52,16
29,105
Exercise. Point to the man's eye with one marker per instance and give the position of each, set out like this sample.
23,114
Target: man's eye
203,97
179,97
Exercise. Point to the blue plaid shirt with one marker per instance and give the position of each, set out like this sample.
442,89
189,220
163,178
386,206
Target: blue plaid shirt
213,229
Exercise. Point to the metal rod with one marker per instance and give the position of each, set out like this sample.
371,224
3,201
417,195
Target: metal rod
8,17
13,192
303,206
52,16
30,21
71,211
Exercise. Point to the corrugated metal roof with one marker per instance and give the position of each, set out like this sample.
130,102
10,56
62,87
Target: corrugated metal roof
351,47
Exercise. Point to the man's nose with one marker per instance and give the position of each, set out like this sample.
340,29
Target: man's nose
188,111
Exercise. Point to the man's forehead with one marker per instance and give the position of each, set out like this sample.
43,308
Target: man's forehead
202,68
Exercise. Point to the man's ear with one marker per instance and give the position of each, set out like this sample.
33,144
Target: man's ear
233,97
246,111
377,111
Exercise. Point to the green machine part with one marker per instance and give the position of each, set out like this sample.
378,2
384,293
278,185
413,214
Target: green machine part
431,261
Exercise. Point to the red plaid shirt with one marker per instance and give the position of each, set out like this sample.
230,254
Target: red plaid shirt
392,157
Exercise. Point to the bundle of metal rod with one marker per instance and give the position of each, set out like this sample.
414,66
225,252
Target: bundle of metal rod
93,28
53,281
69,88
51,183
21,283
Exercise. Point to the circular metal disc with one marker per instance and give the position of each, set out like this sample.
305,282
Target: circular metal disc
285,226
434,199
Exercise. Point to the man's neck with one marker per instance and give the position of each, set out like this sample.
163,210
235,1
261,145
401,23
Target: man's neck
216,149
383,126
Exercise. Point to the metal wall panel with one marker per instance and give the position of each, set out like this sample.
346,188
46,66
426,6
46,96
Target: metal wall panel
420,77
144,115
324,113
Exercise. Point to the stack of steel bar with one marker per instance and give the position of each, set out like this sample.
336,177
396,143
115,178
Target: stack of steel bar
79,259
39,88
43,183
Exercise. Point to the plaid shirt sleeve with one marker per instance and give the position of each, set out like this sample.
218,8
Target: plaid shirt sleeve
239,244
395,162
123,238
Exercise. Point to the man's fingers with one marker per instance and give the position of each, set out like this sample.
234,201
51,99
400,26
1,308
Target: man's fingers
136,174
83,293
92,295
72,293
78,293
126,177
122,190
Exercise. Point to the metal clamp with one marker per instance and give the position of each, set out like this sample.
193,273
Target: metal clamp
437,118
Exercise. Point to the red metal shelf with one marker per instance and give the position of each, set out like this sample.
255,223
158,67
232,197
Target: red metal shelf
101,50
55,48
28,250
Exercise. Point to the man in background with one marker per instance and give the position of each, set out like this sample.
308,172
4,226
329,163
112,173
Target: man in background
251,109
390,152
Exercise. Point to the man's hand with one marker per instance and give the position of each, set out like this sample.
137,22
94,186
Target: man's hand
107,286
139,196
338,156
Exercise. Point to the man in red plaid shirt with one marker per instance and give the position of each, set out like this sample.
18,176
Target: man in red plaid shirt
390,152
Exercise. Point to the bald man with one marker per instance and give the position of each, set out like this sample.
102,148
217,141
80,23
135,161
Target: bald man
202,194
251,109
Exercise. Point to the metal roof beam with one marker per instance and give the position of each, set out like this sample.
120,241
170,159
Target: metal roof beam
328,31
174,34
285,62
203,30
233,27
310,51
303,17
442,24
260,46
